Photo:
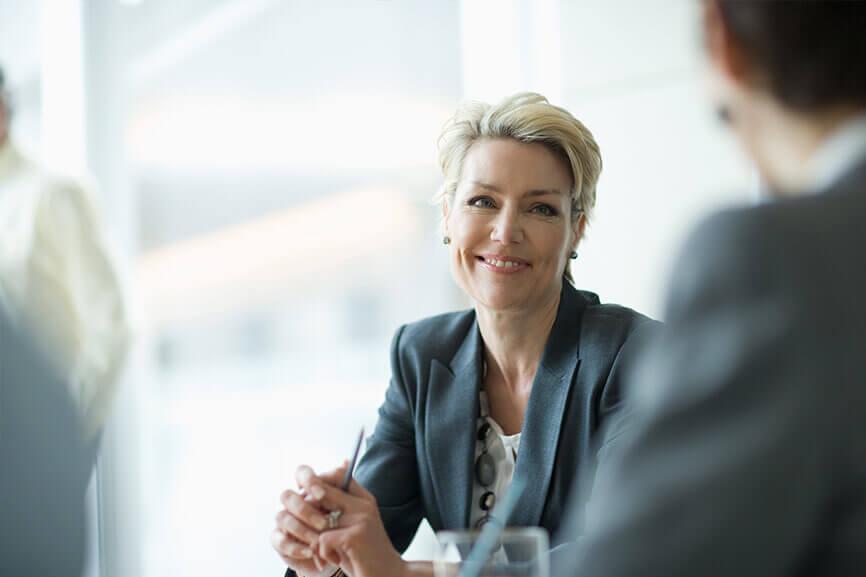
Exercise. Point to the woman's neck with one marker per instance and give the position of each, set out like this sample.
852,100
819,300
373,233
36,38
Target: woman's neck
514,341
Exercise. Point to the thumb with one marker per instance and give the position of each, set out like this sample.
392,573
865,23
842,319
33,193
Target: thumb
358,490
335,476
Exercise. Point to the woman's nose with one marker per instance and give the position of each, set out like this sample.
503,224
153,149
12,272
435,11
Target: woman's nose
507,228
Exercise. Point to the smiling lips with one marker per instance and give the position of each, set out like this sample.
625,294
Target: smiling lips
502,264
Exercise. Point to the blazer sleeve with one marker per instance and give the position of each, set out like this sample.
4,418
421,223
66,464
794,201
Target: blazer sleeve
721,471
614,409
45,465
389,467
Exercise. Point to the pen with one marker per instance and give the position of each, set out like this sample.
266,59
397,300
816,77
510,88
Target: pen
347,479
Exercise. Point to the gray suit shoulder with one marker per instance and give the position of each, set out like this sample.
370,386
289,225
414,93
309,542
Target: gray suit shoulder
736,234
793,261
795,244
736,254
437,337
615,321
621,315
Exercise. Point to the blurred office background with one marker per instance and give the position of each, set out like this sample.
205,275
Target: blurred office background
264,171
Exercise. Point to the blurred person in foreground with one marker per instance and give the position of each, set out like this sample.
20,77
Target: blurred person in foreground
747,449
44,465
56,273
520,386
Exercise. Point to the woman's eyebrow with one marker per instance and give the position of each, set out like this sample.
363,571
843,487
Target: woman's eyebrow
543,192
530,193
484,185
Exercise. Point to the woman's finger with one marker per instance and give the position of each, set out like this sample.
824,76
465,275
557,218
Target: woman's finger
310,483
335,476
304,510
330,547
289,524
304,475
288,547
332,499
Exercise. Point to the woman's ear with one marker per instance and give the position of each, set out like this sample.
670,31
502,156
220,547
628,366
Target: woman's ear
446,210
725,54
578,229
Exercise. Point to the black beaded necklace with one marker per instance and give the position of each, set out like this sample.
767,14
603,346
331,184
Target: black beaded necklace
485,465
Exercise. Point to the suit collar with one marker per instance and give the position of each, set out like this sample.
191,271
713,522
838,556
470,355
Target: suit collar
451,415
542,424
840,154
453,410
853,179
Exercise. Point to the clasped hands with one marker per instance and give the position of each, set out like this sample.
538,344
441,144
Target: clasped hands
358,544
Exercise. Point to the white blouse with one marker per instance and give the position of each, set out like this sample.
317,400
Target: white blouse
55,274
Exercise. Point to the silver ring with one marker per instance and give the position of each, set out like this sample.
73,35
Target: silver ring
334,519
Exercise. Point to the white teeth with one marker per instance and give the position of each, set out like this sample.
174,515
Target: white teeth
502,263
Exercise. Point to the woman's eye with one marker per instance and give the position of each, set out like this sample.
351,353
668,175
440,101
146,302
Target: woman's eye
544,210
481,202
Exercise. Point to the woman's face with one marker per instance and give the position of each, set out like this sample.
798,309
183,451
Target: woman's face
510,224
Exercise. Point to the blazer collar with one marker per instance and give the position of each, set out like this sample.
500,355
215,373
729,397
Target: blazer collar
450,419
453,410
853,179
839,154
542,424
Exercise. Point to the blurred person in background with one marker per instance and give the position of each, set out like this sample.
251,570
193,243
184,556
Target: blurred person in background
522,385
747,449
56,273
44,464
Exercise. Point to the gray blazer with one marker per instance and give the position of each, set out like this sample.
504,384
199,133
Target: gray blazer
44,465
748,452
419,461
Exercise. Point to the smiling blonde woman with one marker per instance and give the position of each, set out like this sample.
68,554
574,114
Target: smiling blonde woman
524,384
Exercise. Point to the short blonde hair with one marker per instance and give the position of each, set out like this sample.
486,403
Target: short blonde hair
527,117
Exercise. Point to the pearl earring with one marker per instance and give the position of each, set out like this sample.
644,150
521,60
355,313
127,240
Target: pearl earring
573,255
446,240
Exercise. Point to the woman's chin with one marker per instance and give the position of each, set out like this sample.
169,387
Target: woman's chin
502,301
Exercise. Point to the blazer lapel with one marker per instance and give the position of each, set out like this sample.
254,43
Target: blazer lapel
450,422
547,402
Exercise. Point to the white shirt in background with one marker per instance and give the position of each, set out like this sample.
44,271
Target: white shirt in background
55,274
838,154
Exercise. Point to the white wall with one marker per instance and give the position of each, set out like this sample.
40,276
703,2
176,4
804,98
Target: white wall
632,70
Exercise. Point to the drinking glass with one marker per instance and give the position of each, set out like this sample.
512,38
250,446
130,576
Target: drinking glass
519,552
